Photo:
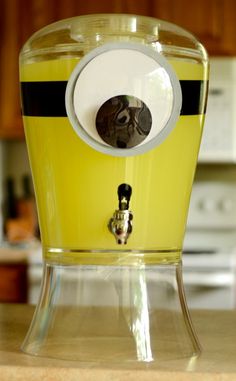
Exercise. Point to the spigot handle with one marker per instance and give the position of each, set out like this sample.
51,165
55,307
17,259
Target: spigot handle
124,194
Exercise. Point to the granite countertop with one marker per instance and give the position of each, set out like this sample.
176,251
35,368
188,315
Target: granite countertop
216,330
25,253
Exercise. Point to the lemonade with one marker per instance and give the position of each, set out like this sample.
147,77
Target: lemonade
76,186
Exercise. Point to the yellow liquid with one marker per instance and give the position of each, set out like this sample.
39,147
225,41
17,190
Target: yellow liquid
76,186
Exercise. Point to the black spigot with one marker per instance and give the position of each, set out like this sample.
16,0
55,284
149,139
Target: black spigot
124,194
120,225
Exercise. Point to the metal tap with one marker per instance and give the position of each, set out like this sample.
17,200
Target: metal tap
120,225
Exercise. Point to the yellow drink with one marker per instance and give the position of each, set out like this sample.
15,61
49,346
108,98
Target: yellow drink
76,185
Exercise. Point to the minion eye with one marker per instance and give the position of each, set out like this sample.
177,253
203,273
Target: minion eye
123,99
123,121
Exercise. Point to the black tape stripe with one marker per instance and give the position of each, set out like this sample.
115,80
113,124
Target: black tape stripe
48,98
194,97
43,98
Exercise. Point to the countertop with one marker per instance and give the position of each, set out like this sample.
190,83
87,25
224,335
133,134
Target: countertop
25,253
216,331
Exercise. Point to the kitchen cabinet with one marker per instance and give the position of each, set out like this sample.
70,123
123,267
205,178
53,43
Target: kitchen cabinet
18,20
13,283
10,120
212,21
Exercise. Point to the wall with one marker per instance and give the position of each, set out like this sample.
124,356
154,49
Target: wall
2,173
13,163
16,163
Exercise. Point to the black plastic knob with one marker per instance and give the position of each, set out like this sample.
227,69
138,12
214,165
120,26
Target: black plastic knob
123,121
124,194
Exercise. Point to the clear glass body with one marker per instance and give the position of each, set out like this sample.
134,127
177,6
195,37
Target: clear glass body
75,185
112,314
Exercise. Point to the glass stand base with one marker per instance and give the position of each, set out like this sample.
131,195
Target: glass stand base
101,313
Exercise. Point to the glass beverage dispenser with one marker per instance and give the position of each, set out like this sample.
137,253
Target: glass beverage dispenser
113,109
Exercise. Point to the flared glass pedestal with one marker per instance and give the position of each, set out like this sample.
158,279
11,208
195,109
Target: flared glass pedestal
99,313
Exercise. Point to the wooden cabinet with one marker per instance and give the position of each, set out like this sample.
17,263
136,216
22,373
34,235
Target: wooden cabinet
13,283
10,120
212,21
18,20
